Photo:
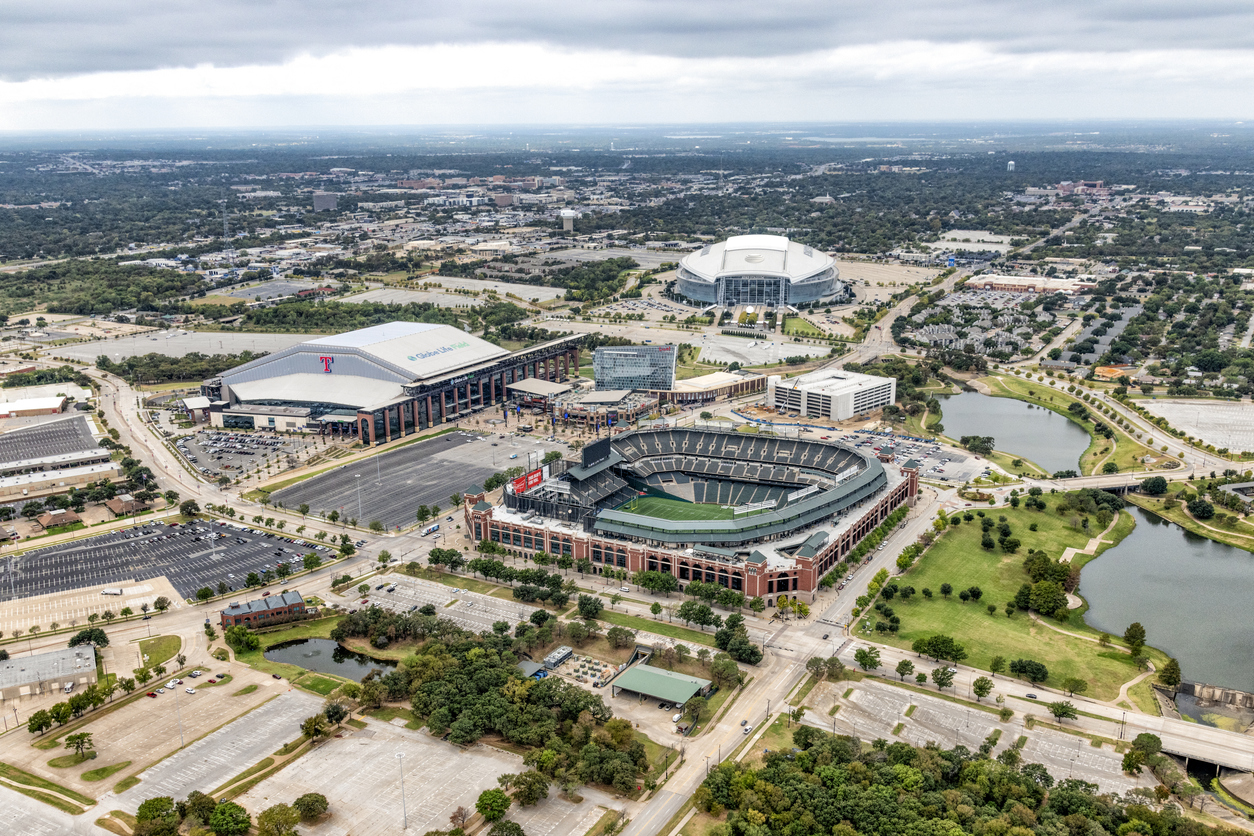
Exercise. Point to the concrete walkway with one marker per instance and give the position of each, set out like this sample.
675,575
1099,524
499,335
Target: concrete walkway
1093,543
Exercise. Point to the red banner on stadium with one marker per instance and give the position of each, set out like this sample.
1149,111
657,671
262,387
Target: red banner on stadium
520,484
534,478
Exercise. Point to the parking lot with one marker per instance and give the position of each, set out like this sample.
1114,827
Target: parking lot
178,344
393,484
220,756
468,610
216,452
875,710
772,348
360,774
938,462
190,556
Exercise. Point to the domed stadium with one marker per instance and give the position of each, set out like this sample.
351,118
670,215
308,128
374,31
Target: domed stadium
758,270
744,510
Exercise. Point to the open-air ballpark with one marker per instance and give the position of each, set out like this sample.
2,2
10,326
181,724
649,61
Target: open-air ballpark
490,419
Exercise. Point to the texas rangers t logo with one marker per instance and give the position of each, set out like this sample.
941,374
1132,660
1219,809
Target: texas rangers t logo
326,363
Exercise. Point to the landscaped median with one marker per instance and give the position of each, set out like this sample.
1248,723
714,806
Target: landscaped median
41,789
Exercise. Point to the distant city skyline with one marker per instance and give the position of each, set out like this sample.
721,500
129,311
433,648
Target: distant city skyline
125,65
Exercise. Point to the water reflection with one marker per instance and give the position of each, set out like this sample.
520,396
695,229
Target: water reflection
326,656
1033,432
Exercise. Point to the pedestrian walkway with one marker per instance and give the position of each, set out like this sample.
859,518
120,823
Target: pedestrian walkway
1092,546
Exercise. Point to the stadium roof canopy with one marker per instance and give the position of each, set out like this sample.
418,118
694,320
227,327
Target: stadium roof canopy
772,255
363,368
654,682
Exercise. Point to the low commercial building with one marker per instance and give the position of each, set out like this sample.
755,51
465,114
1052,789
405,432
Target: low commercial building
57,517
830,393
709,388
124,505
1033,284
610,408
558,656
27,407
272,609
28,676
658,684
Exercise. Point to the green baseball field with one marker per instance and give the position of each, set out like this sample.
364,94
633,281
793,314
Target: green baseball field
674,509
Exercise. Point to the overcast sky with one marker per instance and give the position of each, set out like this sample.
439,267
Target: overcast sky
138,64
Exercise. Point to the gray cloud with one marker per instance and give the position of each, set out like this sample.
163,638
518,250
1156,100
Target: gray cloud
75,36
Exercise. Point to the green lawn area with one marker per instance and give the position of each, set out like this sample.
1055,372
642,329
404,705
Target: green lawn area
777,737
125,784
160,649
321,685
102,772
676,509
958,559
795,326
389,713
66,761
20,776
661,628
317,629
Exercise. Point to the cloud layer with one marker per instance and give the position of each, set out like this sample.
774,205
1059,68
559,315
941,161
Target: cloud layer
114,64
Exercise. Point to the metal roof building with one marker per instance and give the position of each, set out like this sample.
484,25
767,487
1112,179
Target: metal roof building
24,676
384,381
658,684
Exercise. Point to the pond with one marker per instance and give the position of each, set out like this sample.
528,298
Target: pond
326,656
1191,594
1033,432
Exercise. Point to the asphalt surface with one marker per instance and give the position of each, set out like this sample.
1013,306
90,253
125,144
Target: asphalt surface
394,484
187,555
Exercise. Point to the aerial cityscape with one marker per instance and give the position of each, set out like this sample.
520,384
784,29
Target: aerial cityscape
741,422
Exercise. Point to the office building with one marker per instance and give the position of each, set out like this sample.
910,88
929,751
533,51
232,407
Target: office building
635,367
831,393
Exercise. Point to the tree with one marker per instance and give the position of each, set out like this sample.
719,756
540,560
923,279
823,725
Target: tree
39,722
656,609
80,743
982,687
459,817
1154,486
1147,743
505,827
155,809
1063,711
311,561
1134,637
92,635
1170,674
694,707
279,820
1074,685
230,819
493,804
868,658
61,712
943,677
161,604
1029,669
189,508
620,637
1201,509
241,639
530,788
314,726
589,606
946,589
905,668
199,805
1133,760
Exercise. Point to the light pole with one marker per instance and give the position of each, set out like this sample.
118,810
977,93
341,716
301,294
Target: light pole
400,761
357,480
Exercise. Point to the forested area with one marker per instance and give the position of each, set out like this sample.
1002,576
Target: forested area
61,374
832,784
158,368
94,286
468,686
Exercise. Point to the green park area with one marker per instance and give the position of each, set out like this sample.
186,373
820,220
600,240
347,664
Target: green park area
160,649
1067,648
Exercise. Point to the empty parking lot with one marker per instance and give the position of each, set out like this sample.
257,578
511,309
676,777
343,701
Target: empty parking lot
393,484
191,556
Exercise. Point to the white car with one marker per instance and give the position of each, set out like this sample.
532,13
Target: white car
190,690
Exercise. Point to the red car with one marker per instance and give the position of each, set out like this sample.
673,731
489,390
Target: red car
212,681
151,694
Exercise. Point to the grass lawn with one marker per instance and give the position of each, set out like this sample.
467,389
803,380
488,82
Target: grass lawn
321,685
125,784
661,628
388,713
778,736
102,772
66,761
700,824
676,509
160,649
19,776
464,582
247,689
958,559
795,326
317,629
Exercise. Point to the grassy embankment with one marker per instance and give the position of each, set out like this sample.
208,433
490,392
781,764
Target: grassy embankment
958,558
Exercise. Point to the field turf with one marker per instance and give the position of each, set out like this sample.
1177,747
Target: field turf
675,509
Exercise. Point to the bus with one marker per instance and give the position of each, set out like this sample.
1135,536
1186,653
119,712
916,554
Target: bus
431,529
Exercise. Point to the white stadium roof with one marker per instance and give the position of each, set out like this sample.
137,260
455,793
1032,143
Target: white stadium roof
759,255
425,349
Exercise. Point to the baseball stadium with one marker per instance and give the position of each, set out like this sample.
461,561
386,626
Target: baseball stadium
754,512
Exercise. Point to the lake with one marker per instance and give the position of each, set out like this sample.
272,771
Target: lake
1191,594
1017,427
326,656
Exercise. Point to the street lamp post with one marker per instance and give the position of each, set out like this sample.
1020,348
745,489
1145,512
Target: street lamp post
400,761
357,480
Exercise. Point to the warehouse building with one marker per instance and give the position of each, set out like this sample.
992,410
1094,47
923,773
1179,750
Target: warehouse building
830,393
56,670
382,382
51,458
